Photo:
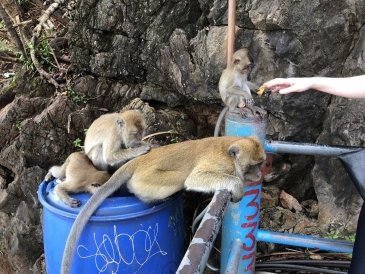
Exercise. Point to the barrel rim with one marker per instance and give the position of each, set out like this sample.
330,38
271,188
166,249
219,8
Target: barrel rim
153,208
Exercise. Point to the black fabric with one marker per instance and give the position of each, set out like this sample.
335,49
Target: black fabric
354,163
358,254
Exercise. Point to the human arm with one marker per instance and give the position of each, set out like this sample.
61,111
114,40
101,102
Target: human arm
350,87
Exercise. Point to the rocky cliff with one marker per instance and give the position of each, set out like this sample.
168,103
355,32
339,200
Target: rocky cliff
170,55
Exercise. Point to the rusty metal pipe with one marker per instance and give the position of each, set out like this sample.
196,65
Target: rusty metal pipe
231,30
197,255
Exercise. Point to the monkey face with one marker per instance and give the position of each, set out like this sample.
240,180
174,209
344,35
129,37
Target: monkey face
131,129
253,173
242,61
248,156
133,138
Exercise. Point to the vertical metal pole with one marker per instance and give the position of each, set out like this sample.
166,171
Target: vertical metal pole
231,30
241,220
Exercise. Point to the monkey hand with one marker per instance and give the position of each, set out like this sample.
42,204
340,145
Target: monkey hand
48,177
73,202
237,193
259,111
135,144
142,149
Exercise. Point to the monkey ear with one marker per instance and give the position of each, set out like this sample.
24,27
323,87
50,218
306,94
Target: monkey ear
236,61
120,122
233,151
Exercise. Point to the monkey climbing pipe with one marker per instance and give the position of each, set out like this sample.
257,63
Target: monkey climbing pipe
240,223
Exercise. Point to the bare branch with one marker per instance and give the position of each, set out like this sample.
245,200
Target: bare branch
8,58
36,34
11,30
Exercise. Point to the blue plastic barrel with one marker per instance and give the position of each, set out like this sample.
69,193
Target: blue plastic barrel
124,235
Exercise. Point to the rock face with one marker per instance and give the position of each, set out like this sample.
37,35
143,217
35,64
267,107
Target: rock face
170,55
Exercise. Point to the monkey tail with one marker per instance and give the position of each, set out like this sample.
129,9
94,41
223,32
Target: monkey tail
120,177
218,125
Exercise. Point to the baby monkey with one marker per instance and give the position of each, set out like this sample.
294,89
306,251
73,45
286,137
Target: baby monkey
78,175
235,89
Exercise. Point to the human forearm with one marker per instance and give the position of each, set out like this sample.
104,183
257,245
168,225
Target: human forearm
351,87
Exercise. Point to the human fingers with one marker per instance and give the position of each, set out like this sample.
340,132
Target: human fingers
278,82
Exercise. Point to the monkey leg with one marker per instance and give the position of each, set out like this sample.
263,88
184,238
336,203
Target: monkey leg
210,181
258,111
62,190
246,112
58,172
93,188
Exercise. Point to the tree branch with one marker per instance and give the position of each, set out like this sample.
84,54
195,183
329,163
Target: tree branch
36,34
11,30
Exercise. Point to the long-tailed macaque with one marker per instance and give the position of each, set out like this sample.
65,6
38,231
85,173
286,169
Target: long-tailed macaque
204,165
77,175
235,89
115,138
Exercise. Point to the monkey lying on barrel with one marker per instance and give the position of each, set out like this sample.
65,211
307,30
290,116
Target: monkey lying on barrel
75,181
204,165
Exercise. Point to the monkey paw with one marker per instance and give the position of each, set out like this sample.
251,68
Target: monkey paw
135,144
48,177
143,149
237,193
74,203
236,199
259,111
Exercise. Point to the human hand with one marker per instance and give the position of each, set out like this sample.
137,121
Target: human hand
288,85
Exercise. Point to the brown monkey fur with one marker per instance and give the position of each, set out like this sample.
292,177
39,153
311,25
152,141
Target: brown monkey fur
204,165
115,138
78,175
235,89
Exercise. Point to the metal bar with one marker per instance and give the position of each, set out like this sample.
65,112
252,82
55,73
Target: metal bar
231,30
234,257
307,149
304,241
196,256
241,220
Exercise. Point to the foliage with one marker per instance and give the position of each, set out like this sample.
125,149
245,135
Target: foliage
27,62
77,143
45,54
335,235
18,125
29,27
75,97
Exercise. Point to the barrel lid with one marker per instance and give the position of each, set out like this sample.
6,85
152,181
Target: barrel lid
120,206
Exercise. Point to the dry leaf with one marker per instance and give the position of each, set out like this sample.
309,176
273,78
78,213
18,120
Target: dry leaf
289,202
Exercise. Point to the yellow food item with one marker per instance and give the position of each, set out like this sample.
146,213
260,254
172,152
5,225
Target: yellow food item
261,90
